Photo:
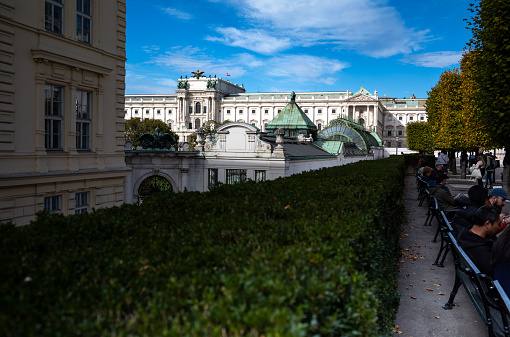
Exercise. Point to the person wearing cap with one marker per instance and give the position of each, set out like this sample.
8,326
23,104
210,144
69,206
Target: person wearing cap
476,242
445,200
498,198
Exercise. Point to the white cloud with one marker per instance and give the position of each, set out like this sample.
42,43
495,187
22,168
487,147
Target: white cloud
150,49
177,13
440,59
254,39
367,26
304,68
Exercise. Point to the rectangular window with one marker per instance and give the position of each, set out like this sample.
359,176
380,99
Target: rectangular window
228,111
205,109
319,127
190,109
83,21
235,176
253,111
411,118
213,178
240,112
53,16
400,132
83,116
422,118
146,112
53,120
266,111
159,112
52,204
399,118
399,144
81,201
306,111
136,111
319,111
260,176
389,132
333,111
170,126
169,111
389,144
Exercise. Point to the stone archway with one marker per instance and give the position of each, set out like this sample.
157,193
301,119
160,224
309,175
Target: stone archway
153,184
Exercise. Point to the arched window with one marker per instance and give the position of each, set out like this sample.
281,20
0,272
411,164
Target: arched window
152,185
198,108
197,123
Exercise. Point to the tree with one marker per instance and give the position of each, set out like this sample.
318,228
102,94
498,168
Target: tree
419,137
135,127
491,70
210,129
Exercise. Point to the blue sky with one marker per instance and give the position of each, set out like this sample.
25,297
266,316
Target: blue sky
397,47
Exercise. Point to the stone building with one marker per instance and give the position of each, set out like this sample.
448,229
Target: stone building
200,98
61,106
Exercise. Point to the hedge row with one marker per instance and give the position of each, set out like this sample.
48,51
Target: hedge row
314,254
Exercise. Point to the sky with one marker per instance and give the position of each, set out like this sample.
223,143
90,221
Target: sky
397,47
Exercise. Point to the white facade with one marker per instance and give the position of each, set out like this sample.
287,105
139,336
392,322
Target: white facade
386,116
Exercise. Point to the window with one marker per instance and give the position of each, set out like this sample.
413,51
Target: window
235,176
52,204
83,113
83,21
399,144
389,118
279,110
146,112
170,126
241,112
197,123
266,111
228,111
319,127
389,144
389,132
422,118
253,111
399,118
125,112
136,111
170,111
198,107
53,15
190,109
260,176
81,202
53,120
411,118
400,132
333,111
205,110
213,178
190,126
159,112
319,111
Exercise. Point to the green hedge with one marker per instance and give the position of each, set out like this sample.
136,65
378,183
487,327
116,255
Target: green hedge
314,254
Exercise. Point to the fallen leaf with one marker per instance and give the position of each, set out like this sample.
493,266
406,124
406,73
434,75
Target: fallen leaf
429,289
440,293
411,285
438,317
423,281
413,297
437,285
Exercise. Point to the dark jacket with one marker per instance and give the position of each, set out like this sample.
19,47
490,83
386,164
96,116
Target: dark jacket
478,249
465,217
444,198
502,274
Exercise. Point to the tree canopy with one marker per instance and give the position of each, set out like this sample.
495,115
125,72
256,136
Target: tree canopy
419,137
136,127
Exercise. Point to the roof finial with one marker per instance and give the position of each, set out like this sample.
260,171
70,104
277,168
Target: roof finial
293,97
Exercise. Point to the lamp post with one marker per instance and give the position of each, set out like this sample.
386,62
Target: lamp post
396,150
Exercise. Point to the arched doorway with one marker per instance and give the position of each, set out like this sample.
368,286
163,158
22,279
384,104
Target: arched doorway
152,185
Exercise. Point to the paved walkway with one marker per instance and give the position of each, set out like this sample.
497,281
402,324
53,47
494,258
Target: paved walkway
424,288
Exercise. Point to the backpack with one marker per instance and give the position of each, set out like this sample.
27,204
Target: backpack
491,164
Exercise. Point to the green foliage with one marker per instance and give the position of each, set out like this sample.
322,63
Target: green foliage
136,127
210,129
313,254
419,137
491,66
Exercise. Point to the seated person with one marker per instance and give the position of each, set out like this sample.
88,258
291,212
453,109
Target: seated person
498,198
426,173
465,217
476,242
445,200
501,260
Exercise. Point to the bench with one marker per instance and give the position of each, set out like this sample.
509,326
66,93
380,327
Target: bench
490,301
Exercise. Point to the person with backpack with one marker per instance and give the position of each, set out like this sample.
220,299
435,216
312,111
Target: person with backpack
442,159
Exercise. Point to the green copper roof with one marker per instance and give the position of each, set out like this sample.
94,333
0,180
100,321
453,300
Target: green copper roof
330,146
291,117
362,91
348,131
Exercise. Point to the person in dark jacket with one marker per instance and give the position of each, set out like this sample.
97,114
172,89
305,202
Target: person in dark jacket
445,200
475,241
465,217
501,260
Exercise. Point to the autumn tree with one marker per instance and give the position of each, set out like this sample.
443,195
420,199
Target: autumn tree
419,137
136,127
490,70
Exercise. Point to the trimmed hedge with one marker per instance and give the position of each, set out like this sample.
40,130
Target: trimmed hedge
314,254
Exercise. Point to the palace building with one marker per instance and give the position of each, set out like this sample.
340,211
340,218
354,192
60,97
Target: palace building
201,98
61,107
